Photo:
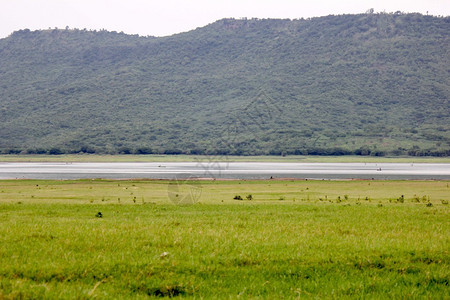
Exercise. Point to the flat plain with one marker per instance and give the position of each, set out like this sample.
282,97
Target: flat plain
284,239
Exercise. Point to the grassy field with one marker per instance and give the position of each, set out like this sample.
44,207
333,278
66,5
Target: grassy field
294,239
185,158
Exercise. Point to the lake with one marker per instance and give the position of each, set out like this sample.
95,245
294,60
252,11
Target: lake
224,170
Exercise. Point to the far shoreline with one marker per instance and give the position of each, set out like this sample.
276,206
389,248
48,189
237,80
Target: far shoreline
219,158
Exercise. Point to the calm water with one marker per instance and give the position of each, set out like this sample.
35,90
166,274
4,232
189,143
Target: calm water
236,170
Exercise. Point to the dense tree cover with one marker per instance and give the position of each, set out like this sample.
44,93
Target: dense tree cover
368,84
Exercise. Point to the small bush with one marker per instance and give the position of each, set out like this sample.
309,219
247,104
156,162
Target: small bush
55,151
416,199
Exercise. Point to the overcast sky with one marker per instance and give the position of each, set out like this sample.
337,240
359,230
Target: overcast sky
165,17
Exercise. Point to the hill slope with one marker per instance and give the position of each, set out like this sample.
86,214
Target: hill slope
369,83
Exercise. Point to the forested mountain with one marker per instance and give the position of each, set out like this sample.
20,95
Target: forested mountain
366,84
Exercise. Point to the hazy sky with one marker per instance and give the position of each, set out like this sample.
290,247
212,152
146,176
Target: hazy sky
165,17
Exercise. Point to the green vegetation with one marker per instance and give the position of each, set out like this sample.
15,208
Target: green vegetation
91,239
367,84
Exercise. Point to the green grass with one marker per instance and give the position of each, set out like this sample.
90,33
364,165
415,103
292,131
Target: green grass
309,245
194,158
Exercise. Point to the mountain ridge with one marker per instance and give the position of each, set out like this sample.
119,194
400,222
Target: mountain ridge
365,84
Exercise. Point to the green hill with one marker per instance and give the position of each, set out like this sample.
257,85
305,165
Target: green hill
365,84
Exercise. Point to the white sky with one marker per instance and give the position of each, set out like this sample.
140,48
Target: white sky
165,17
